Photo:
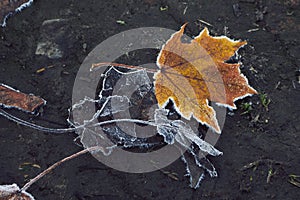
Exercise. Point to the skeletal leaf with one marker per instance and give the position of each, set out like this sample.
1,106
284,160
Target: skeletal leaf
181,132
114,134
119,94
197,165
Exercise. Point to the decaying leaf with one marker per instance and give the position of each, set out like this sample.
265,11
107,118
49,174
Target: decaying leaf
124,133
192,74
8,7
10,97
181,132
13,192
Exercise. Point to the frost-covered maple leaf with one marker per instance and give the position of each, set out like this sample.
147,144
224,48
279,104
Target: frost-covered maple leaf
192,74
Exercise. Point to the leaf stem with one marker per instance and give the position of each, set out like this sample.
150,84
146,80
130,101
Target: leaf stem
65,130
34,126
103,64
49,169
125,120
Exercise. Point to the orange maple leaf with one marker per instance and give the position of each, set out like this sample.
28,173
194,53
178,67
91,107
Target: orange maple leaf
192,74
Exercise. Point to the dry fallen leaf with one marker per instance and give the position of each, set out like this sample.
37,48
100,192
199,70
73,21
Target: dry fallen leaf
192,74
10,97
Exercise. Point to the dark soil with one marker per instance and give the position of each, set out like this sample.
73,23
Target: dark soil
267,137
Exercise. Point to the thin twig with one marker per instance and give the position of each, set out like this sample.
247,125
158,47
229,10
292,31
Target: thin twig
124,120
204,22
65,130
103,64
34,126
49,169
261,162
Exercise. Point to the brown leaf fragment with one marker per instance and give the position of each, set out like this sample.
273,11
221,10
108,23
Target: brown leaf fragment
12,98
13,192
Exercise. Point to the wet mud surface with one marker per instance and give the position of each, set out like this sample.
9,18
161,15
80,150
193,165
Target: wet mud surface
260,139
